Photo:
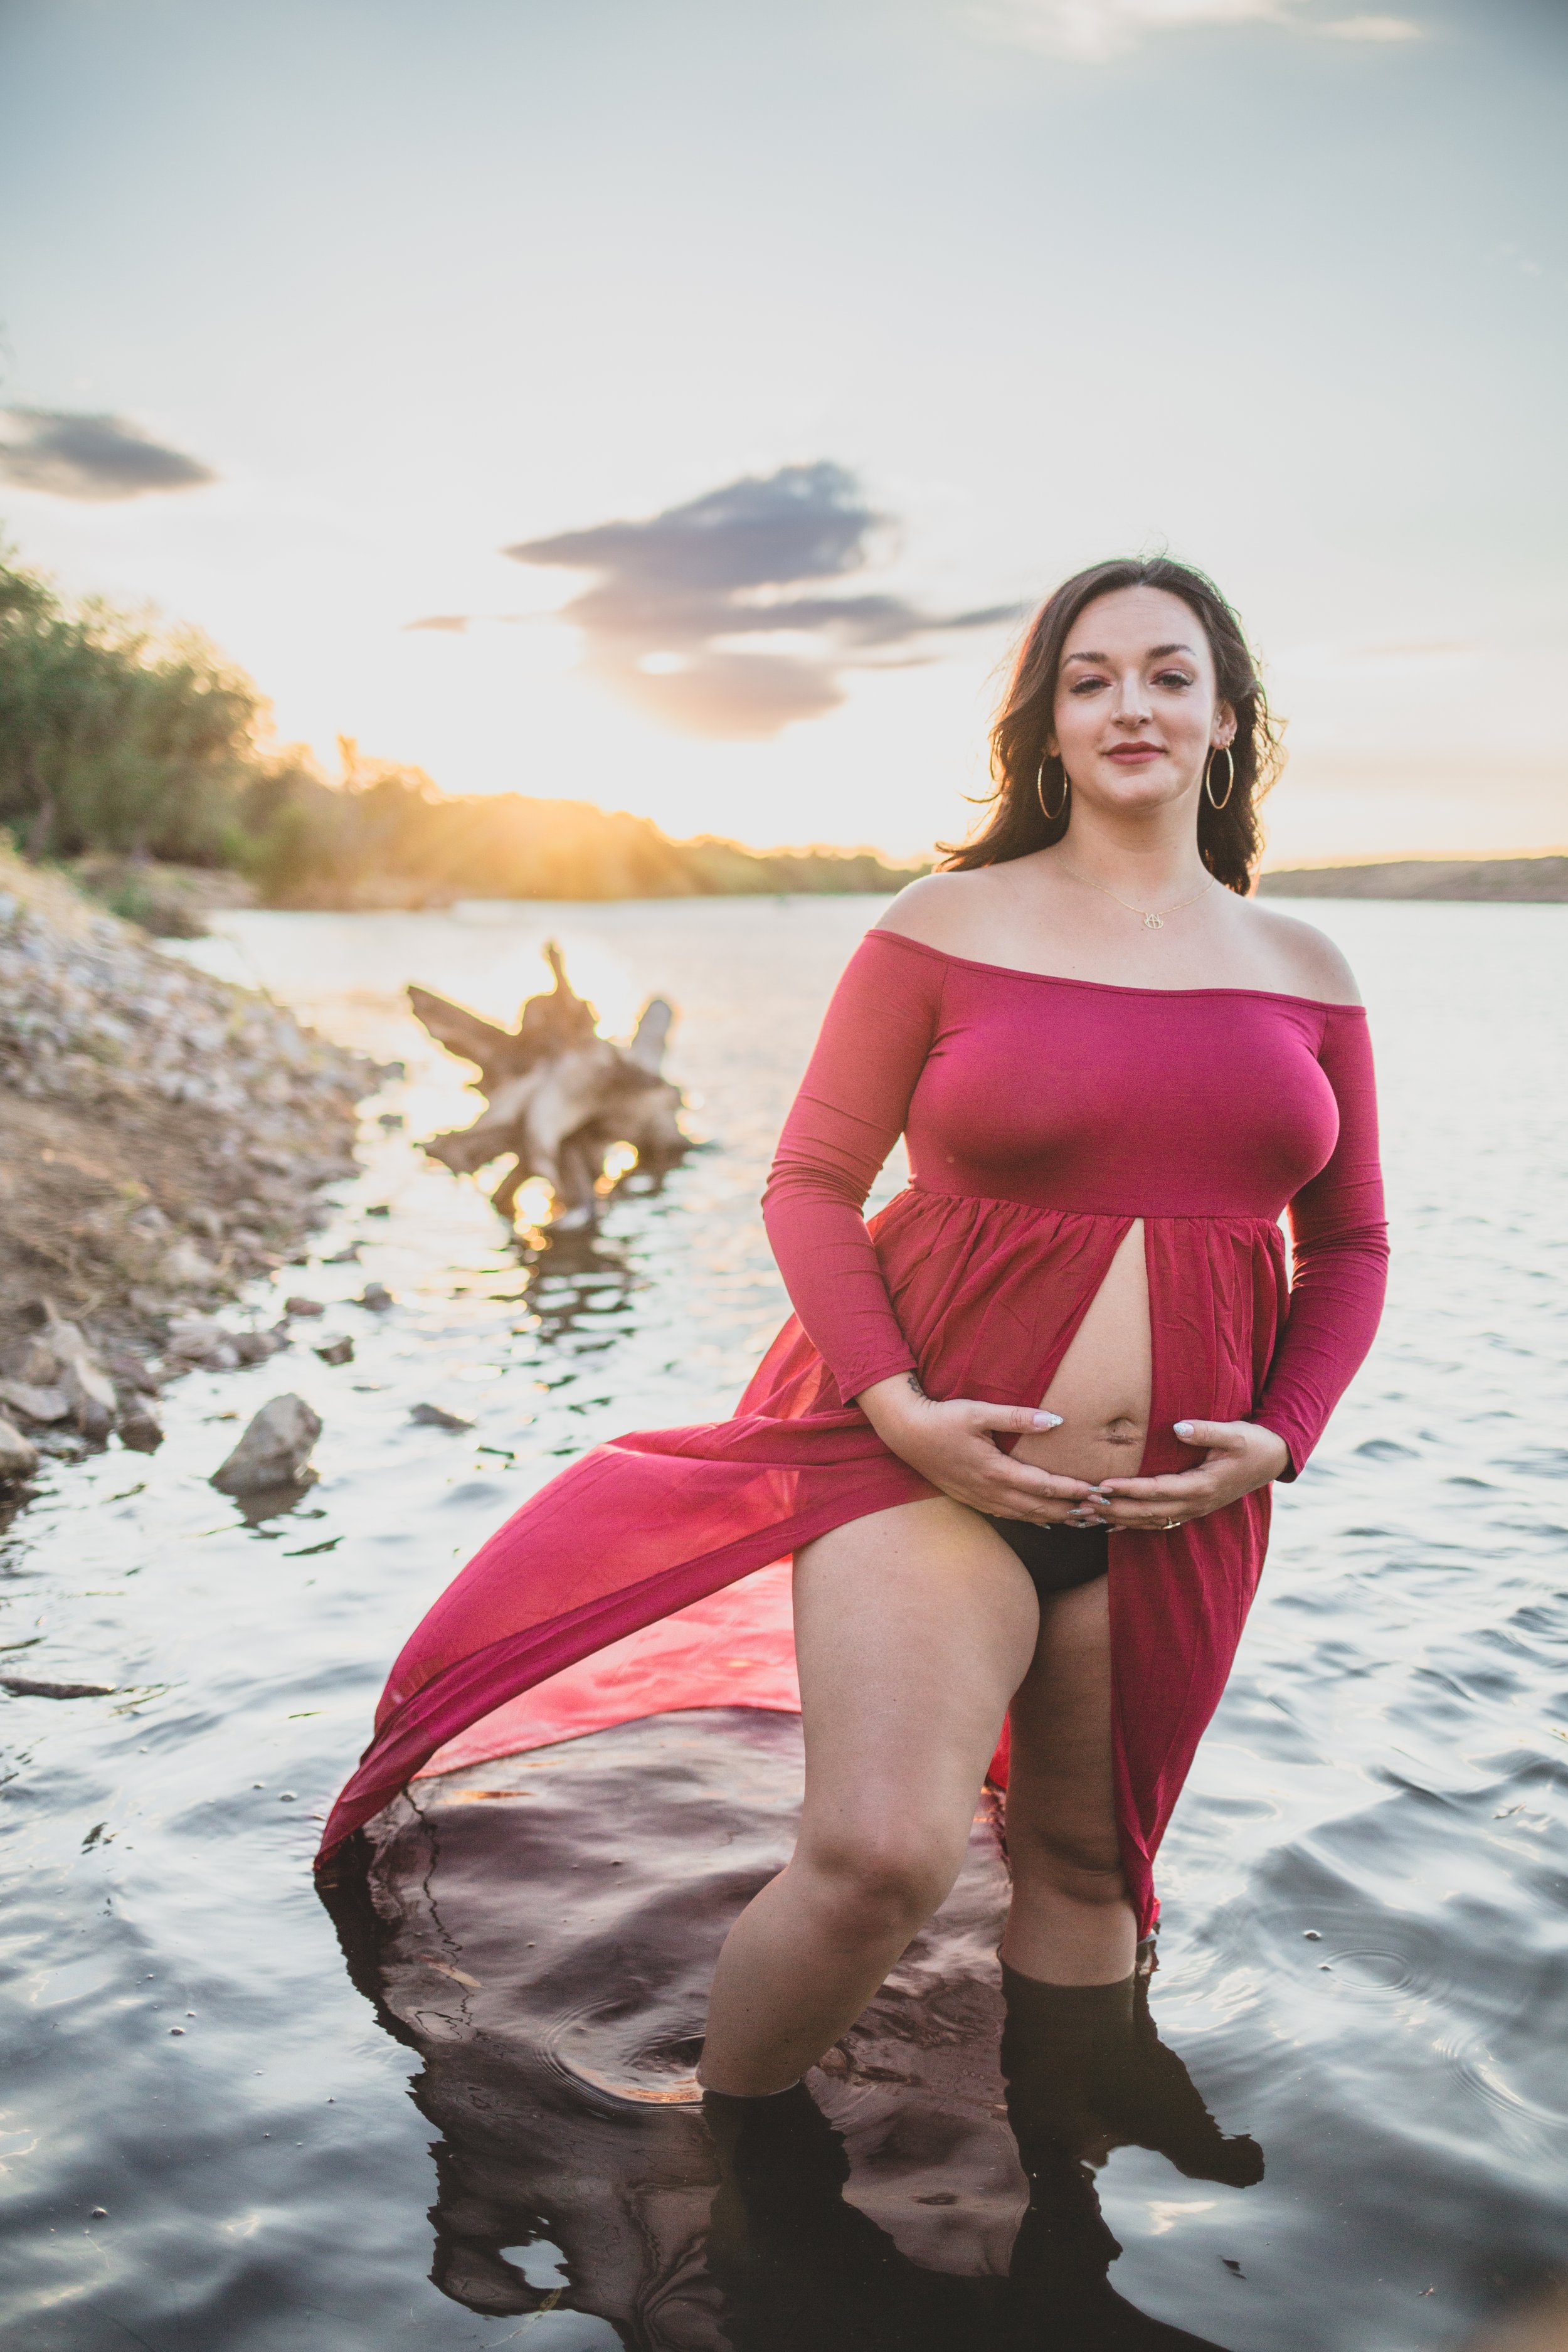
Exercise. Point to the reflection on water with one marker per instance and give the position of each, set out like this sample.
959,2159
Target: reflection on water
577,1287
542,1931
1363,1963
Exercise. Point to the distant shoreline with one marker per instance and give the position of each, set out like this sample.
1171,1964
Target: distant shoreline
1539,880
172,900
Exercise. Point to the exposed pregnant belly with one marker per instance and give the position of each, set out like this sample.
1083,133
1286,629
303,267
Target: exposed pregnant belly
1101,1386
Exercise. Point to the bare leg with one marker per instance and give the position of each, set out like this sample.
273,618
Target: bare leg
913,1627
1071,1922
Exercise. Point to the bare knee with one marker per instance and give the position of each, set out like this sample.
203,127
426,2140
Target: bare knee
1074,1860
879,1881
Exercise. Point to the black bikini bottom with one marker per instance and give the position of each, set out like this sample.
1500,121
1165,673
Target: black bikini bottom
1057,1557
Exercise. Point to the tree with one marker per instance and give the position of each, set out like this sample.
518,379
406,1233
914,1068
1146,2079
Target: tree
115,734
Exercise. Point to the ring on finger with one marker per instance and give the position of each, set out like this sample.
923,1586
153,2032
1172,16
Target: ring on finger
1163,1527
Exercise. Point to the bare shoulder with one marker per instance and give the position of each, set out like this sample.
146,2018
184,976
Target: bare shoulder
1308,961
943,910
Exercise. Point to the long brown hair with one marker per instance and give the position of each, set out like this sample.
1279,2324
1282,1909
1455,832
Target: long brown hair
1230,839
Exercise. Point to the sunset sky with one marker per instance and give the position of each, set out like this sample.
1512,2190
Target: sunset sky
670,403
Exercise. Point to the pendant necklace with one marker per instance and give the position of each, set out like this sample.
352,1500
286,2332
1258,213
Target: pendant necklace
1152,921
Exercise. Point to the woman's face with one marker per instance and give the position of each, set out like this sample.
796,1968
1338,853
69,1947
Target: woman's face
1136,715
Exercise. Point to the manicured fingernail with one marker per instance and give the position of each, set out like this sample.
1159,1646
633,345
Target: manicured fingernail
1183,1428
1047,1420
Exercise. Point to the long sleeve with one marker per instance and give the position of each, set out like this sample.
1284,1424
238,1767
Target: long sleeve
847,1118
1340,1240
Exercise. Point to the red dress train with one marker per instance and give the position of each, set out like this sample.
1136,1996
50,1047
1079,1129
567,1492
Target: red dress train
1043,1116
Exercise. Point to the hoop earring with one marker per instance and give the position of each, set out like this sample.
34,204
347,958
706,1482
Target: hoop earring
1229,781
1052,815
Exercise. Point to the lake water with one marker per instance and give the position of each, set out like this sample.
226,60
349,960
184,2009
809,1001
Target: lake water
397,2143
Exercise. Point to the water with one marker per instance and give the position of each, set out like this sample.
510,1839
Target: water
1363,1950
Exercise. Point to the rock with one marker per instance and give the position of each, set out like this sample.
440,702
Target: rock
304,1307
18,1454
35,1362
187,1269
255,1347
344,1256
435,1416
338,1352
65,1341
274,1451
90,1394
194,1337
140,1427
379,1209
35,1404
133,1373
389,1119
88,1389
64,1445
376,1296
23,1686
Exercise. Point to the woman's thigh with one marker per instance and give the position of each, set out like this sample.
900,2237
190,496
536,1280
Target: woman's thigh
1061,1789
913,1627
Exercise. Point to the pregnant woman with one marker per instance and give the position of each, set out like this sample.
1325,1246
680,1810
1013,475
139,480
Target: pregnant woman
1020,1431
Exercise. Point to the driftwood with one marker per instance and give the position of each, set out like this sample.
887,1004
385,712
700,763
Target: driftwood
558,1096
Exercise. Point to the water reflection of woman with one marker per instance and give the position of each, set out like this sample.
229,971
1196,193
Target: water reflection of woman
1086,2074
1020,1432
780,2259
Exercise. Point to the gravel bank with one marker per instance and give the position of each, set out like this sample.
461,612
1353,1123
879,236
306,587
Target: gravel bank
164,1137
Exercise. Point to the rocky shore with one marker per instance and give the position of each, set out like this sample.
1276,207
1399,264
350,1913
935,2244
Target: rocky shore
165,1137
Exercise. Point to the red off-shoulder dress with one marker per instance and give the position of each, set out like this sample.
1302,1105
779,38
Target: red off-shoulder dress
1043,1116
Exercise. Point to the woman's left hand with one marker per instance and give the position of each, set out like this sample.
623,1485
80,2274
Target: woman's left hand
1238,1457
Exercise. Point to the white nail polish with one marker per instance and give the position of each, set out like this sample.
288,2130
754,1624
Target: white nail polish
1047,1420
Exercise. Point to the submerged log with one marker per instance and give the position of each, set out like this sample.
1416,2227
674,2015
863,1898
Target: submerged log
558,1096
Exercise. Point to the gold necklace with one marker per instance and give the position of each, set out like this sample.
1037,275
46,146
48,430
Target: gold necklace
1152,921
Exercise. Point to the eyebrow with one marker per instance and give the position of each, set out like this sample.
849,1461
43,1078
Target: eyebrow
1155,652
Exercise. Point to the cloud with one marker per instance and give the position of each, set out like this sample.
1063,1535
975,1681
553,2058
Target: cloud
98,457
1092,31
711,617
1370,29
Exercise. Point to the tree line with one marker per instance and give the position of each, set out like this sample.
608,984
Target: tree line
122,737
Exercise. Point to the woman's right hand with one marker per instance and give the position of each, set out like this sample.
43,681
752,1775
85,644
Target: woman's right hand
951,1444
